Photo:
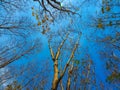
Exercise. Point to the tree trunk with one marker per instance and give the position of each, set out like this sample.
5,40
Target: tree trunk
55,78
61,85
68,83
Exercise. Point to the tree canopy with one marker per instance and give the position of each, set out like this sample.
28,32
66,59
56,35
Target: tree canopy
59,44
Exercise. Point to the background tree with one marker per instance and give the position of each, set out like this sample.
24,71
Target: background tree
28,77
70,71
16,30
107,24
53,6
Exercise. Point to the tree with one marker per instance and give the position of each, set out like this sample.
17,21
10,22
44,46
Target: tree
17,30
8,11
37,79
69,70
14,86
55,57
83,75
10,54
108,21
55,5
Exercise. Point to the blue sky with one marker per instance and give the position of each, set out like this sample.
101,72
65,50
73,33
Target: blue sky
88,11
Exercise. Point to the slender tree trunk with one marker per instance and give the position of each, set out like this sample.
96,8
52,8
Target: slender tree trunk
69,79
55,78
68,83
61,85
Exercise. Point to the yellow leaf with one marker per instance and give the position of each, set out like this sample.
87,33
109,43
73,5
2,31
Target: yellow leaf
46,17
100,25
107,8
37,18
33,14
43,21
39,23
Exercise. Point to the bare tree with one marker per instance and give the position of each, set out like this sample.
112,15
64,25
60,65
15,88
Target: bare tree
17,29
54,4
108,21
28,82
55,57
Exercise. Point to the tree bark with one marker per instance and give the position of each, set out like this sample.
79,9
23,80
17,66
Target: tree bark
55,78
68,83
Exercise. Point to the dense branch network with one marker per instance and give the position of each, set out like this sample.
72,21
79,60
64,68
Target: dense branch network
55,5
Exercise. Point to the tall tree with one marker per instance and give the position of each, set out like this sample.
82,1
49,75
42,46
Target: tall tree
16,30
58,51
107,24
